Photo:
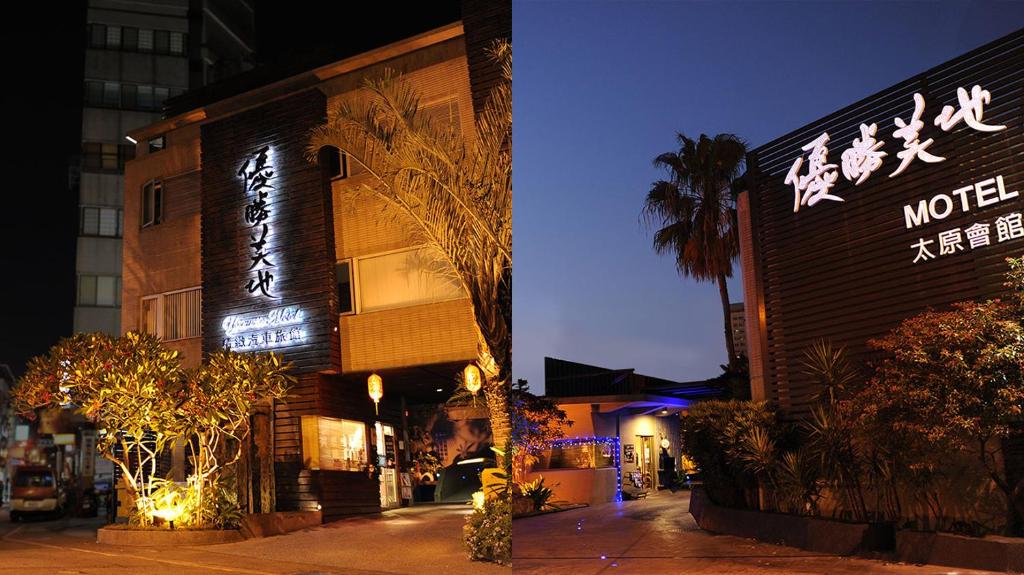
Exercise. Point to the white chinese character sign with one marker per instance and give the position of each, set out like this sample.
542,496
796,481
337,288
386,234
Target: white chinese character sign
814,179
279,326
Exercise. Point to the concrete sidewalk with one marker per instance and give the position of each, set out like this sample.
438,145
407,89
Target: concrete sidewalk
413,540
658,535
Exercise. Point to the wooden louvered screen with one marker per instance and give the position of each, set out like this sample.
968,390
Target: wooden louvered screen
845,271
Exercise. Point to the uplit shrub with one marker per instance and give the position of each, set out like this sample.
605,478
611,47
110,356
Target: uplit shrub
488,532
729,442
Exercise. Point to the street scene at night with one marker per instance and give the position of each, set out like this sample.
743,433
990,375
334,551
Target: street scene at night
264,322
257,308
768,311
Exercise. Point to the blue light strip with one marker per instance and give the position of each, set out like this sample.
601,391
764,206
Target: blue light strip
613,441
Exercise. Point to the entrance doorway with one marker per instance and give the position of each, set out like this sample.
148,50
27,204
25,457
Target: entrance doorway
646,461
387,461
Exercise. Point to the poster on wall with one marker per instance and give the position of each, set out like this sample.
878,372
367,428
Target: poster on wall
628,453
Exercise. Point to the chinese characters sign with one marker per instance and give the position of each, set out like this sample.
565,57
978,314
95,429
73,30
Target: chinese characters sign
281,326
864,156
257,172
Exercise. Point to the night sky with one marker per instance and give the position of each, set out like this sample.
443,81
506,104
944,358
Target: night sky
601,88
44,55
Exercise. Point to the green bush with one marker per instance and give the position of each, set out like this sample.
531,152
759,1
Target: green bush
488,532
732,443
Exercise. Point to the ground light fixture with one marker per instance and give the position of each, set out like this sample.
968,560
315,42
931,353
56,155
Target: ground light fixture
375,385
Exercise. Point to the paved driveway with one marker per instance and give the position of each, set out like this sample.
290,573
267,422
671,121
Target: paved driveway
425,539
658,535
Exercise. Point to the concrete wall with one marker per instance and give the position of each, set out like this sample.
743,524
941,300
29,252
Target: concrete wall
590,486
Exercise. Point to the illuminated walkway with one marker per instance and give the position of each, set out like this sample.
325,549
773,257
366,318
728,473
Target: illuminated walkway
658,535
414,540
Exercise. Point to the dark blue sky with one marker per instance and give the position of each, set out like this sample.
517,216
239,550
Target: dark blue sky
601,88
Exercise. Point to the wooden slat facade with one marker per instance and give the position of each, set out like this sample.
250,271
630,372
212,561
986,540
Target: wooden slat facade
845,271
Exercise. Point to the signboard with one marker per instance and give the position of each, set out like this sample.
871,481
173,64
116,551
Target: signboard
267,239
905,200
628,453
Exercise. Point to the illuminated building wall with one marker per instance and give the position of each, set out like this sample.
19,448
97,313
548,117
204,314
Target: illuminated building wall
905,200
266,234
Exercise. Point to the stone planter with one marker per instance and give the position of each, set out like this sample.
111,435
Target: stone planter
166,537
875,540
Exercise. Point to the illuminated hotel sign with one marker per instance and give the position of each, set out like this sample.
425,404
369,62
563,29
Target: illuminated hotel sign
279,326
864,157
257,172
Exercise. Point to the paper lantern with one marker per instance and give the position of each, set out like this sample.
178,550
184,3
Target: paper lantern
471,377
375,385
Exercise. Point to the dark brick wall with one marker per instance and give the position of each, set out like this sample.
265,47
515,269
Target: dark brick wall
483,22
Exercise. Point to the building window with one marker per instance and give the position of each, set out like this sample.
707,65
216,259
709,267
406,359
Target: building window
444,113
162,42
177,43
343,276
156,144
337,164
99,291
97,36
400,279
103,222
145,40
114,37
173,315
112,94
102,157
333,444
152,203
130,39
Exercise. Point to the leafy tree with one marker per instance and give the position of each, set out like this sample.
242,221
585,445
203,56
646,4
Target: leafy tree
536,422
696,214
217,399
128,386
456,192
141,399
952,381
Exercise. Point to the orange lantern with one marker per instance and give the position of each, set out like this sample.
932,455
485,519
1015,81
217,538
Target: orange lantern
471,377
376,388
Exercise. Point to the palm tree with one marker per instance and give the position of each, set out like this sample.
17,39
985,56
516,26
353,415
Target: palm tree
695,212
454,190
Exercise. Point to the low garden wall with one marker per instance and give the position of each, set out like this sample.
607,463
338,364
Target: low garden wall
991,553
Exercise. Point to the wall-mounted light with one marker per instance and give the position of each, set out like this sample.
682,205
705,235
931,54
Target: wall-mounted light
375,385
131,139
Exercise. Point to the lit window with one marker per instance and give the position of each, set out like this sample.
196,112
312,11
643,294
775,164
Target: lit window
106,222
182,314
334,444
173,315
152,203
401,279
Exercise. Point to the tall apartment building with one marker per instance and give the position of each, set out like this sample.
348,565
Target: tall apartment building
139,54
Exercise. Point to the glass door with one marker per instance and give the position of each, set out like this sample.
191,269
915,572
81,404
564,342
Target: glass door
387,458
646,460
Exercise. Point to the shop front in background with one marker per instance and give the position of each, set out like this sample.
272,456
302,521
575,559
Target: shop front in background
353,447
